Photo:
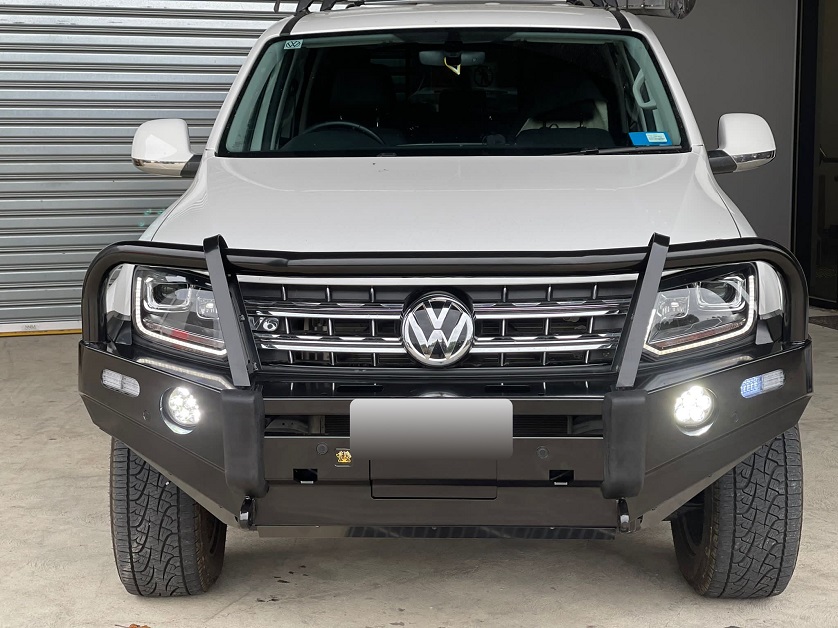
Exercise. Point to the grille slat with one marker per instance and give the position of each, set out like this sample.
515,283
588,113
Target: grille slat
482,311
551,310
518,326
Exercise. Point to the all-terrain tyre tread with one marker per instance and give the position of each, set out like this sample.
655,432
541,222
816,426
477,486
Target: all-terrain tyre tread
157,530
756,519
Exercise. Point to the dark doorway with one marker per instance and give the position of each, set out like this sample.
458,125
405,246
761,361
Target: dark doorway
817,198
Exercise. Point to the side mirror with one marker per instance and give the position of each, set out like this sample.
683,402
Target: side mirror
162,147
745,143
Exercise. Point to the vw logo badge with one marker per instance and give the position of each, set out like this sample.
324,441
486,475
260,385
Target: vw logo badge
438,330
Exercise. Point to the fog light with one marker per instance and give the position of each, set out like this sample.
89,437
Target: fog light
182,407
121,383
694,407
760,384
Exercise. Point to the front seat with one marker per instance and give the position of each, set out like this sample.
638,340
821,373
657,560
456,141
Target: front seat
566,110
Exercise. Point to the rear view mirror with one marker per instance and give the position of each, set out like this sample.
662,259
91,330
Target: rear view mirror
162,147
438,58
745,143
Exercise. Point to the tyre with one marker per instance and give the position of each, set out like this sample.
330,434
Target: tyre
740,537
164,543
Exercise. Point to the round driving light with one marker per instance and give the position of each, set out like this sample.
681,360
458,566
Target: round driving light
182,408
694,407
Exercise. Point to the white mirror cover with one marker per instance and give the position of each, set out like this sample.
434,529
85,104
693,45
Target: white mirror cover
747,139
162,147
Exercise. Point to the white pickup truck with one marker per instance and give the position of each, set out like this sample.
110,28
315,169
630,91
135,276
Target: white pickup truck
452,269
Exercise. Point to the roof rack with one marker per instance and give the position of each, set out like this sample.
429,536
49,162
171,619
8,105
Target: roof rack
661,8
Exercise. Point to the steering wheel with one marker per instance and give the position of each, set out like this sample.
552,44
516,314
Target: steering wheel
347,125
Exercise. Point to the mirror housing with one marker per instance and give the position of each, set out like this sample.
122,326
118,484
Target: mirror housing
438,58
745,143
162,147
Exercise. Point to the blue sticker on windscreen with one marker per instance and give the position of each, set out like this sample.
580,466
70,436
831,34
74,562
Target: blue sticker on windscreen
652,138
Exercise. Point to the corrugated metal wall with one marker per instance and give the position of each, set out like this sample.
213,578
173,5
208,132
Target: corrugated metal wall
76,79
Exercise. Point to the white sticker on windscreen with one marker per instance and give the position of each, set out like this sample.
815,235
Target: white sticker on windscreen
293,44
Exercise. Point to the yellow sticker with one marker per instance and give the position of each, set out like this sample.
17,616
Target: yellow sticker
343,456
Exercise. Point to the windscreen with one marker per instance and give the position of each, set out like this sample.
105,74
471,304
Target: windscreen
454,92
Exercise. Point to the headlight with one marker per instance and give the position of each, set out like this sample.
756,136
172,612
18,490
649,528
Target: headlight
176,309
703,313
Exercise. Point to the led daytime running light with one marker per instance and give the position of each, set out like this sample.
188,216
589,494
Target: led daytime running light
165,334
710,336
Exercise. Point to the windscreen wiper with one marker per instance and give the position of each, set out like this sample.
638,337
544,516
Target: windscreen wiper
625,150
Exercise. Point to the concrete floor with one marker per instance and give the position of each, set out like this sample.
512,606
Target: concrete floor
56,565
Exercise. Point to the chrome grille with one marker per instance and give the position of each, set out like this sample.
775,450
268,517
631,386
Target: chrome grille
360,326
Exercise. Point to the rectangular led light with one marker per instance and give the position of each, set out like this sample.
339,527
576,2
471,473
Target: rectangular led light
762,384
120,383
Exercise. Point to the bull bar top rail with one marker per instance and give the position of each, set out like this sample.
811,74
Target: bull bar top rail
445,264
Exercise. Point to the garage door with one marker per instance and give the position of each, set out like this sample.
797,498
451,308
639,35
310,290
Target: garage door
76,79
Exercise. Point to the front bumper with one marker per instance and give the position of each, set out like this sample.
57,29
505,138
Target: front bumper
551,487
342,502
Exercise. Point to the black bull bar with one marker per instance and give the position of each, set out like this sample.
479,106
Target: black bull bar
625,439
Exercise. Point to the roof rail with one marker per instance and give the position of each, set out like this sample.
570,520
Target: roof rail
660,8
304,6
